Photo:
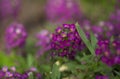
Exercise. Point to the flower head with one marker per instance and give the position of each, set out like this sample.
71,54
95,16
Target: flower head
15,35
44,39
102,30
9,8
60,11
10,74
109,52
101,77
66,41
115,21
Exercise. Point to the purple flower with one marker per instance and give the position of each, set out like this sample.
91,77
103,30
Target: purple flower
44,39
38,76
60,11
115,21
2,74
109,52
5,69
8,74
9,8
13,69
33,69
25,76
15,35
16,75
101,77
66,41
102,30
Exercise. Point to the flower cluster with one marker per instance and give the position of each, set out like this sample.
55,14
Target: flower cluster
102,30
109,52
61,11
115,22
44,39
11,73
9,8
66,41
101,77
15,35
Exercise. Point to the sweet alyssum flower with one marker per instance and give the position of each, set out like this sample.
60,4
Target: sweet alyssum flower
101,77
114,20
44,39
66,41
61,11
15,35
6,73
10,74
102,30
109,52
9,8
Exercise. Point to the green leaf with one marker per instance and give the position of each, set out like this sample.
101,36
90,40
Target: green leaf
22,64
7,60
78,58
31,76
93,40
118,73
30,60
116,77
81,76
45,68
55,72
72,66
30,46
84,39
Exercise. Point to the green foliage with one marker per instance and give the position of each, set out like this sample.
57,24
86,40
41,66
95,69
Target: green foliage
7,60
21,64
24,63
85,40
30,46
45,68
31,76
118,73
97,10
30,60
55,74
93,40
85,66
